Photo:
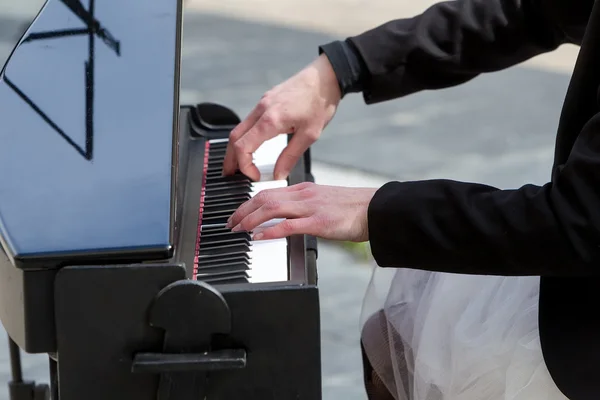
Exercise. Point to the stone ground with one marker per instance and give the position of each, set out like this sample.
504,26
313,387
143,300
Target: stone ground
498,129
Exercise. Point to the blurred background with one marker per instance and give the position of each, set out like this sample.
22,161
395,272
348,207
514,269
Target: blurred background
497,129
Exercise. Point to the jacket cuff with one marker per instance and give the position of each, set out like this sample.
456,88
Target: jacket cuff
347,65
382,225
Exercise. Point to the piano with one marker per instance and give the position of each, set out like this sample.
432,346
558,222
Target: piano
115,261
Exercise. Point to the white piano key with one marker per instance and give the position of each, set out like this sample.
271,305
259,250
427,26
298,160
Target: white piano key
217,141
268,257
267,154
268,261
264,185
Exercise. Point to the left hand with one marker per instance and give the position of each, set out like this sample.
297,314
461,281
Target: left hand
329,212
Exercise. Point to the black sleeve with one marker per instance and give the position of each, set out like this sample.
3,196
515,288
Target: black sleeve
348,66
448,44
450,226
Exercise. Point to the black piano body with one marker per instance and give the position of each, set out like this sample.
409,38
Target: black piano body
102,174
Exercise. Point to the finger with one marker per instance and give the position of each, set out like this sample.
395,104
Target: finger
245,163
268,126
289,227
230,160
263,197
288,158
273,210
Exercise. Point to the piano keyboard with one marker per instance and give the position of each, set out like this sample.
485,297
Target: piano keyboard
223,256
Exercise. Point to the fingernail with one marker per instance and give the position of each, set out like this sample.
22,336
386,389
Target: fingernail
257,236
228,224
236,228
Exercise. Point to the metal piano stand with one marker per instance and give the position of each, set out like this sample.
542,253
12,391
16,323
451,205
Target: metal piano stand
26,390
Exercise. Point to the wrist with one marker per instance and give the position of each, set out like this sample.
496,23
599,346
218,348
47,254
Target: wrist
327,81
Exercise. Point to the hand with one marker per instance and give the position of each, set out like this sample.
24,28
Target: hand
302,105
328,212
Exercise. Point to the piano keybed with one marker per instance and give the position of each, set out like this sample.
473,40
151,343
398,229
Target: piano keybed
226,257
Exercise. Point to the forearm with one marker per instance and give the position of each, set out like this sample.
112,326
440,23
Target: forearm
476,229
448,44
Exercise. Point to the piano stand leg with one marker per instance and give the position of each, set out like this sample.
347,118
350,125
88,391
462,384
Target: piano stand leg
19,389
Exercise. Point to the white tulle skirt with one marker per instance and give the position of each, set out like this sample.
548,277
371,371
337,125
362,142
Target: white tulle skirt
438,336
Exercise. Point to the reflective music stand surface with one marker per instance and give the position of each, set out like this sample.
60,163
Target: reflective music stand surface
18,388
94,29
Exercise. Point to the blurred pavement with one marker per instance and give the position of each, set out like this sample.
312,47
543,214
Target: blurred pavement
498,129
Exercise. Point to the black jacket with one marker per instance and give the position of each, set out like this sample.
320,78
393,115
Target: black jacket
442,225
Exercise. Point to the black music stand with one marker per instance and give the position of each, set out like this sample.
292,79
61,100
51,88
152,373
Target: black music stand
94,29
18,388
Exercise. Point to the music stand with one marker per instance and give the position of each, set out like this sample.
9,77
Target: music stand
94,28
18,388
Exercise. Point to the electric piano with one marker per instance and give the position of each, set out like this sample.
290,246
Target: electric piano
115,260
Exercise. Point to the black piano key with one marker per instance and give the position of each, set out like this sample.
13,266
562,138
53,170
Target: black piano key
215,160
234,269
214,163
229,198
220,186
215,220
218,237
228,270
224,248
217,154
212,235
215,214
205,230
230,183
205,258
227,191
227,281
205,227
236,258
218,150
239,264
224,210
227,179
214,173
219,279
222,274
218,146
223,205
204,246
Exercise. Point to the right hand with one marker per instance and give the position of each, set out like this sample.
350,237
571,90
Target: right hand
303,105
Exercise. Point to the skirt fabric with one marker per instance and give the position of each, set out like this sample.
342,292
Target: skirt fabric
438,336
